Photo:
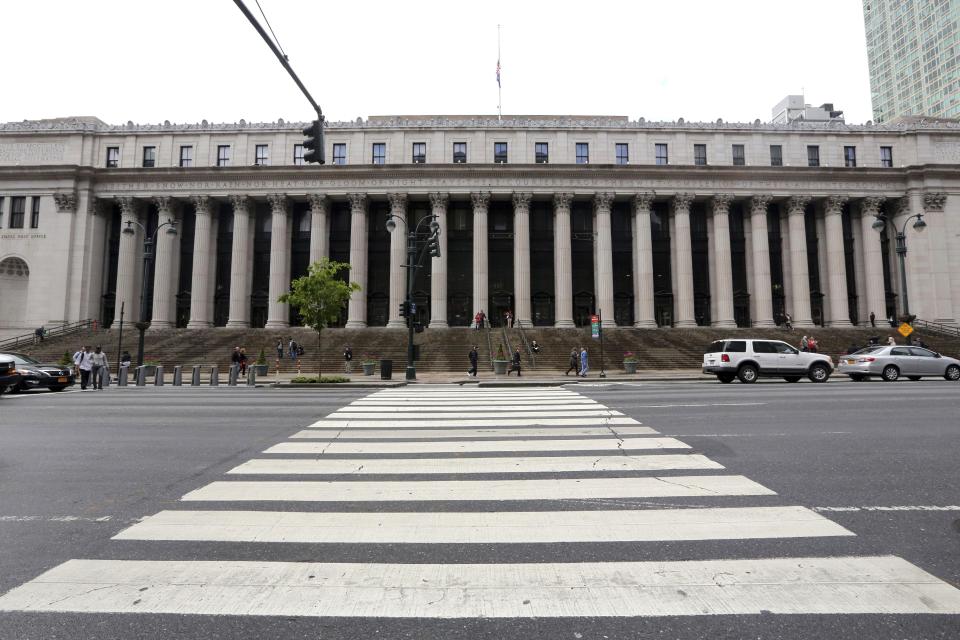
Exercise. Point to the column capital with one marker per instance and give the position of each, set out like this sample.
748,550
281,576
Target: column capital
758,204
439,200
681,202
201,204
934,202
521,199
901,206
797,205
602,201
279,203
240,203
870,205
398,201
357,201
165,204
642,202
562,200
96,206
318,202
834,205
66,201
721,202
129,206
480,199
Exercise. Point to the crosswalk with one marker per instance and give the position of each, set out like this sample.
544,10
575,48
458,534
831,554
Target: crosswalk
435,465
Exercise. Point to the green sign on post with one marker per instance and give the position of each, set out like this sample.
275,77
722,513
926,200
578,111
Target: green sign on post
594,326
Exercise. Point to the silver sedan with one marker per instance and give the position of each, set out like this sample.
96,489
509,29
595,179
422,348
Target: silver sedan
894,362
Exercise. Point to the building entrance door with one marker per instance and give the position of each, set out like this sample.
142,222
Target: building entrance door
583,306
501,301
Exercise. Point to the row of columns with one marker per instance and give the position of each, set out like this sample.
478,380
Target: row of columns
793,232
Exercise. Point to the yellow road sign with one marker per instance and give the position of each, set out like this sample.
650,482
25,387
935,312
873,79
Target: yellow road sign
905,329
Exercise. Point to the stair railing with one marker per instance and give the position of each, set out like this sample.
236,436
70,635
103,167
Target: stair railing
937,327
489,345
506,341
530,353
27,339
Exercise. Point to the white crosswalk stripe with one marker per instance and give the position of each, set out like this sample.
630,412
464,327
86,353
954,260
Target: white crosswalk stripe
486,444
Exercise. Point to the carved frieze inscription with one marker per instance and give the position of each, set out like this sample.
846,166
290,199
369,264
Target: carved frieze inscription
946,152
32,152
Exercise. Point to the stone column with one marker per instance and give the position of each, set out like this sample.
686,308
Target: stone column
278,313
872,260
357,310
762,292
837,262
319,234
398,257
723,260
940,300
799,271
684,263
748,267
240,268
163,271
521,258
200,281
604,257
481,200
784,225
823,278
438,277
130,244
562,262
643,262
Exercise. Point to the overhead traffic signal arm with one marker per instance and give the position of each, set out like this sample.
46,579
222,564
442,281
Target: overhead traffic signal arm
313,142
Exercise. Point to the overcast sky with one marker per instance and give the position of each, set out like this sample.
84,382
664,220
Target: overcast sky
189,60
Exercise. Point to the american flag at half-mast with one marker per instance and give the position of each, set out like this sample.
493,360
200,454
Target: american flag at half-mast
498,72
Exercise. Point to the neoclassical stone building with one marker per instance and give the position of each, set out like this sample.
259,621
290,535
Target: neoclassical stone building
652,223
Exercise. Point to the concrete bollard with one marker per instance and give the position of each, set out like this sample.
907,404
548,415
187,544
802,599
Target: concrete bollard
104,376
195,377
177,376
251,377
214,376
122,376
158,376
233,375
141,377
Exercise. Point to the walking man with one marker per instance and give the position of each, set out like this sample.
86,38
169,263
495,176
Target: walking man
473,362
584,365
873,319
574,363
515,365
99,367
243,361
85,365
347,358
279,348
292,347
235,357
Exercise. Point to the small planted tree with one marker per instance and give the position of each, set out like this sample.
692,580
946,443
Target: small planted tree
320,295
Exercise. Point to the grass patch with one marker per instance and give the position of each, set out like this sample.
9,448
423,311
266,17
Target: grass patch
322,380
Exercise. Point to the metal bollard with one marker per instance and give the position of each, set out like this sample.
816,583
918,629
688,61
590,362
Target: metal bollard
158,377
195,378
177,376
122,376
214,376
251,377
141,376
104,376
233,375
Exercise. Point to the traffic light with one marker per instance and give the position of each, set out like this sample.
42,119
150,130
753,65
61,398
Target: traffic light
433,245
313,145
403,309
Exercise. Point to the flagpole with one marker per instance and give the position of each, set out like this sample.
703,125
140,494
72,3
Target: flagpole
499,88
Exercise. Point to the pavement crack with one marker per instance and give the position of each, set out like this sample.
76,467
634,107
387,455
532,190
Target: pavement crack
330,444
78,595
685,486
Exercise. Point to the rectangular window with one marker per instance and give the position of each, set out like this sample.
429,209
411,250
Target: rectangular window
500,152
813,155
849,156
298,155
541,153
583,153
699,155
186,155
18,205
623,153
262,155
776,155
886,156
35,213
419,152
223,155
739,155
113,157
660,153
459,152
340,153
149,156
379,153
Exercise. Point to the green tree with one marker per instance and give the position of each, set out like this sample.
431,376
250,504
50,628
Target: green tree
320,295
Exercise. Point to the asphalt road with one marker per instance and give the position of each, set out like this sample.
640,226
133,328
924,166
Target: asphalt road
879,459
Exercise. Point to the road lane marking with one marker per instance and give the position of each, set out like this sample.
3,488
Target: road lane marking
487,414
844,585
930,507
610,445
533,410
489,432
537,527
394,423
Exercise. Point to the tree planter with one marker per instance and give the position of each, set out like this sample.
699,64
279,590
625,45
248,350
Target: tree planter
368,368
630,367
149,370
261,369
500,367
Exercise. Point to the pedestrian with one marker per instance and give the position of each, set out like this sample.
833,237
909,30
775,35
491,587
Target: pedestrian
574,362
873,319
922,344
36,335
483,320
891,342
473,356
478,321
509,315
125,359
299,350
515,364
77,358
584,366
893,323
85,365
804,344
347,358
853,348
243,361
535,347
292,347
99,367
235,357
812,345
788,320
279,348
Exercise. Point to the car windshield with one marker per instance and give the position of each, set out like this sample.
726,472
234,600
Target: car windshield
19,358
715,347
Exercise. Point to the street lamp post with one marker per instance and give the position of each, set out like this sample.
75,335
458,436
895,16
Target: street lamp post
882,220
149,240
415,238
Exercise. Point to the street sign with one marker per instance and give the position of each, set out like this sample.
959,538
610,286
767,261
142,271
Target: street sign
905,329
594,326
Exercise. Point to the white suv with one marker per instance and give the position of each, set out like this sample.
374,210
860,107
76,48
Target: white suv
747,359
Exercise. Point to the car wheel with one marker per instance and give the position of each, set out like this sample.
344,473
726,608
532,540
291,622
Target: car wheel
2,389
857,377
15,389
890,373
819,373
57,388
914,378
725,378
747,374
952,373
792,378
